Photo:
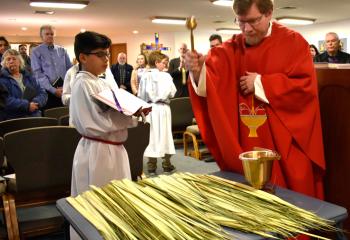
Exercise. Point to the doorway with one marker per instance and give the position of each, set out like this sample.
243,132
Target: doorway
115,49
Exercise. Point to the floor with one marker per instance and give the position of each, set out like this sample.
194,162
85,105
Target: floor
181,162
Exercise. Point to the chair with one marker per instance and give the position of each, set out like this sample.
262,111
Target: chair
3,234
181,115
43,174
1,151
23,123
63,120
56,112
135,145
192,134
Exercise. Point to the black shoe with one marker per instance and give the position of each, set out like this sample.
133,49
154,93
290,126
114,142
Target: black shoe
169,169
152,172
209,159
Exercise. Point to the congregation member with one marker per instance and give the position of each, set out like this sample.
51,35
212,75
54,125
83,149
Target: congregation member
268,73
22,48
122,72
49,63
166,63
24,97
179,73
139,70
215,40
313,51
157,87
4,45
333,53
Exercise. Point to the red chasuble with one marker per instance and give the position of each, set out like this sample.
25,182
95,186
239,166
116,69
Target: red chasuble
289,123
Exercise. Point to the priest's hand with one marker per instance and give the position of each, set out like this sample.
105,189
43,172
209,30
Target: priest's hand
246,83
194,62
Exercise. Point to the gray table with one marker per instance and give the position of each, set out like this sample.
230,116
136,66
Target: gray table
323,209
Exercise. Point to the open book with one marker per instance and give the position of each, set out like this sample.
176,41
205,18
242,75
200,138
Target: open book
122,101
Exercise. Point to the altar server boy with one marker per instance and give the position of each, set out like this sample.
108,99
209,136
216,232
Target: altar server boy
100,155
157,87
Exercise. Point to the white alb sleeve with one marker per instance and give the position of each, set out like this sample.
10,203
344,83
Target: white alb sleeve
259,89
200,89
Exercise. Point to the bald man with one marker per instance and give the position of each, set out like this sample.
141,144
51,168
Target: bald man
122,72
178,72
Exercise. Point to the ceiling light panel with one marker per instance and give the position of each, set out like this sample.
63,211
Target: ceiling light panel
224,3
295,21
169,20
59,4
229,31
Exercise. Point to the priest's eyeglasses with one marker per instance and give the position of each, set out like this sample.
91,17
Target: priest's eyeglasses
100,54
252,22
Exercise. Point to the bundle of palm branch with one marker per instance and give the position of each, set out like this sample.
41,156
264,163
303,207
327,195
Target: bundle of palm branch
189,206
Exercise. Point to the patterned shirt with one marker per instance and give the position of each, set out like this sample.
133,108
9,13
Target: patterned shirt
49,63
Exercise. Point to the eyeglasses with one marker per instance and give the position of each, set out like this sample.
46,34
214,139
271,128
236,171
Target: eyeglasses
252,22
100,54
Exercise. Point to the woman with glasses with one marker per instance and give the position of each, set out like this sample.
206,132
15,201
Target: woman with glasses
25,96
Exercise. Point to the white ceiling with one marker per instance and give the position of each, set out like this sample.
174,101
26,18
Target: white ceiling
121,17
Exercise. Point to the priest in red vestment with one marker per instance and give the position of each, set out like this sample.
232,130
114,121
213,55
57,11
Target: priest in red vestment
259,90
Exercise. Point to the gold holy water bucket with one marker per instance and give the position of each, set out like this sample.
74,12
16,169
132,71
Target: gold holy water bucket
257,166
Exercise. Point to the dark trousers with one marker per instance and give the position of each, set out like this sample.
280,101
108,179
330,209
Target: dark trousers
53,101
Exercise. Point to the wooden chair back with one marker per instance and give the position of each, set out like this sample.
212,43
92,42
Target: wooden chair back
42,159
64,120
45,157
23,123
1,151
56,112
181,113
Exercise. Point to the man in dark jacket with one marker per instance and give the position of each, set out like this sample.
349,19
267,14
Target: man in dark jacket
122,72
333,53
178,72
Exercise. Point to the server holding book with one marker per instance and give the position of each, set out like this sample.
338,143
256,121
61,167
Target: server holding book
24,96
50,63
100,155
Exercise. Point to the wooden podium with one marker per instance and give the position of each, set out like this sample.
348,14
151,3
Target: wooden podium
334,97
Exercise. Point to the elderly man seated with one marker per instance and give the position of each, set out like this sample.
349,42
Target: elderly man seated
333,53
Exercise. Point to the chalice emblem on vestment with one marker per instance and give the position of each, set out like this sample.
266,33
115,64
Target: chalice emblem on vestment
252,117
